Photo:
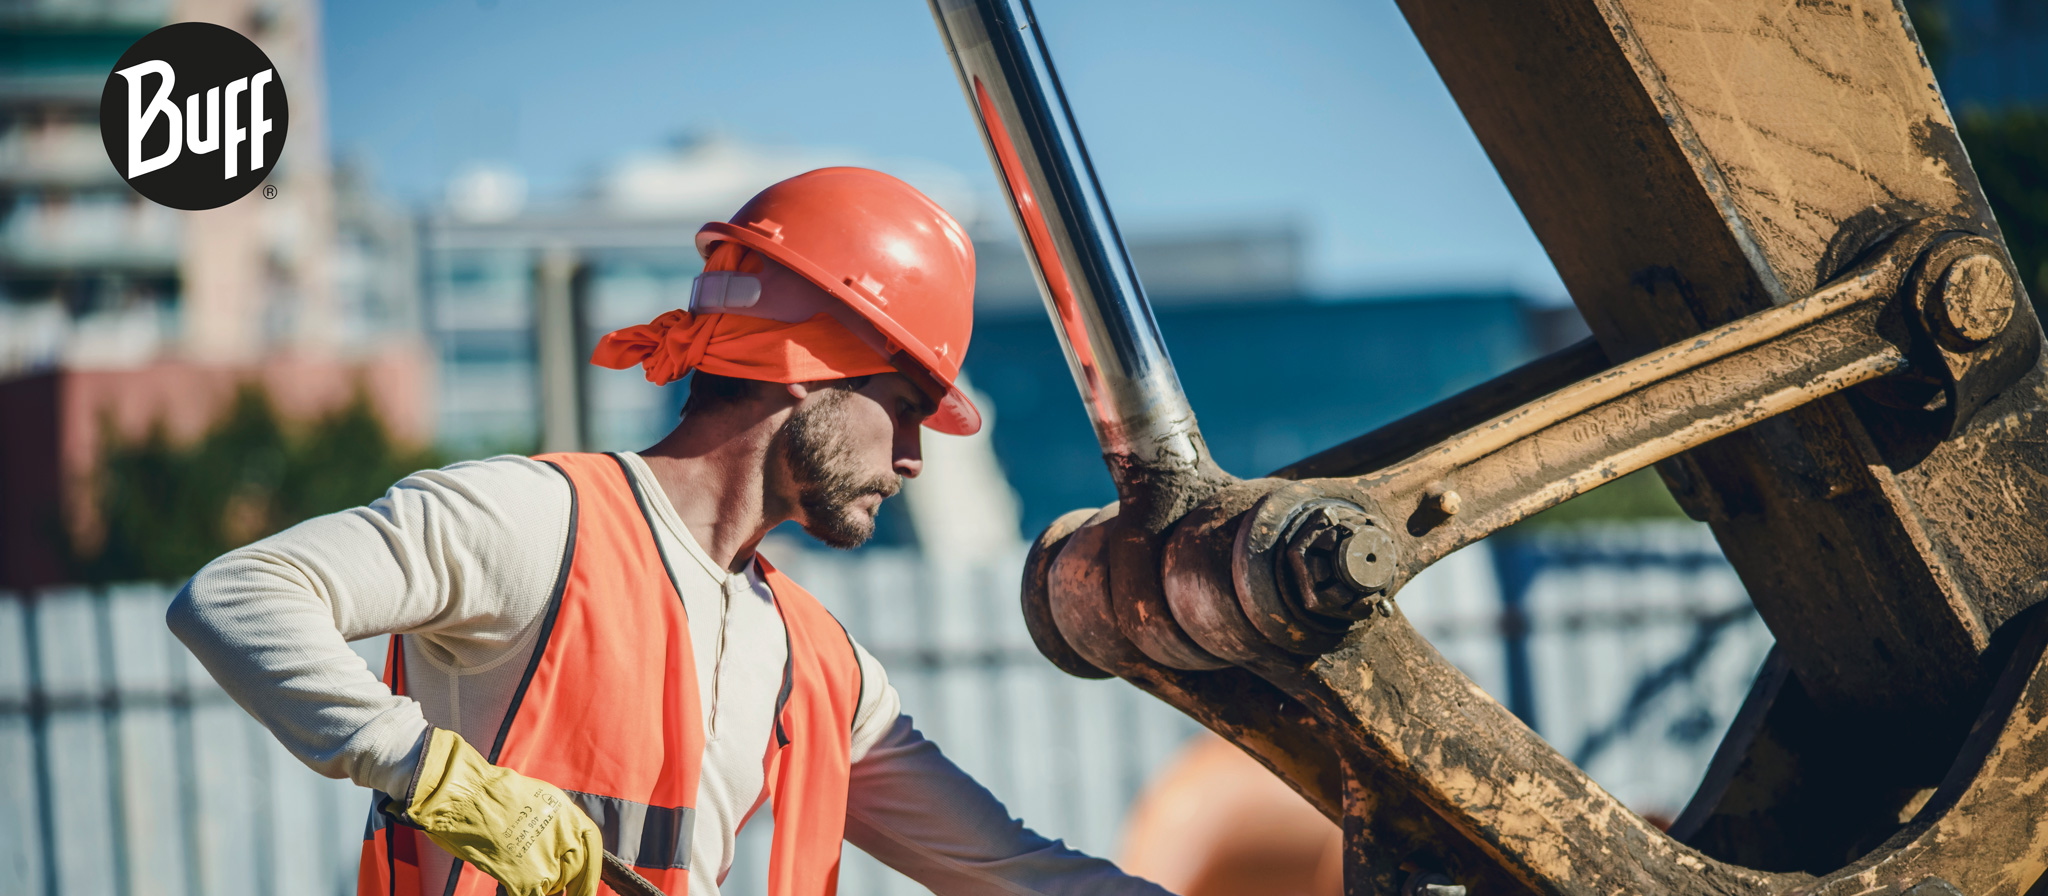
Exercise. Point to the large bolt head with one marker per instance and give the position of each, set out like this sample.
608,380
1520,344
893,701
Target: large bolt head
1974,299
1338,563
1365,560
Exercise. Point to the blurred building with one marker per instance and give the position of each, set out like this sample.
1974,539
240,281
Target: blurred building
490,264
117,314
94,275
88,268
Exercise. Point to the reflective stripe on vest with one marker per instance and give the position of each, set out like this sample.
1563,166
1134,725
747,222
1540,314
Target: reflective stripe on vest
609,710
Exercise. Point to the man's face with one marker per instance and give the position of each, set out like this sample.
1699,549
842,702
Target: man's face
848,450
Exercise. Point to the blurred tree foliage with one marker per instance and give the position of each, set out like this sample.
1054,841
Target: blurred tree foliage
1930,22
169,509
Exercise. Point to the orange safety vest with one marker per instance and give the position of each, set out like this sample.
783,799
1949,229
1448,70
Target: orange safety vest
609,711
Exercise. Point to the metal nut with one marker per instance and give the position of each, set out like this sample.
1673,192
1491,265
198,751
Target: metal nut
1974,299
1339,563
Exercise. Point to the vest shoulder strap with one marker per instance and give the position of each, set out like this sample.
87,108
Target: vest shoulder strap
811,760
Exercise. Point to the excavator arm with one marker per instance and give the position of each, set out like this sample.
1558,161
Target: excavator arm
1804,316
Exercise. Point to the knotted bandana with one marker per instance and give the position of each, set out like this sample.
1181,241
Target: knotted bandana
733,345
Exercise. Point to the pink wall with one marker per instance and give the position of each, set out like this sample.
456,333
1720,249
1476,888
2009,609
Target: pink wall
53,431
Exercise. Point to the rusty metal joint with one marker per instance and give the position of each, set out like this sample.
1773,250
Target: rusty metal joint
1974,332
1339,563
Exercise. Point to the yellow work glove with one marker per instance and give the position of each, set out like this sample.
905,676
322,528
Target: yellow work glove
520,830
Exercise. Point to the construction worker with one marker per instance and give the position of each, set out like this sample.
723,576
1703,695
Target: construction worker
587,652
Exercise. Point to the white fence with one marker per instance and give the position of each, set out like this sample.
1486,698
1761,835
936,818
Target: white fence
124,770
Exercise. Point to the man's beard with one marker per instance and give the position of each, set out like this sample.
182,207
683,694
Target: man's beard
827,477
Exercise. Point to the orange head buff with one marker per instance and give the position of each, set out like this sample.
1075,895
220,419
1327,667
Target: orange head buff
749,343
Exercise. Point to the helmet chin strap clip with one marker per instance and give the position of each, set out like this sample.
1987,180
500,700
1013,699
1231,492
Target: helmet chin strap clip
778,293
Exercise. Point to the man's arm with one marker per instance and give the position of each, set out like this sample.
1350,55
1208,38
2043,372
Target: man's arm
468,553
912,808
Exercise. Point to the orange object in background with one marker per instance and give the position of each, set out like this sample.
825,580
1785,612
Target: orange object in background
1216,823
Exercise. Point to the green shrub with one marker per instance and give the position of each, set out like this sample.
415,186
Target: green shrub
169,509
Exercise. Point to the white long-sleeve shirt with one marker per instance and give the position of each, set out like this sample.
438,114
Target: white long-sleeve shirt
462,560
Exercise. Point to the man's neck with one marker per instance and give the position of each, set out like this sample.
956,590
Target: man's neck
716,479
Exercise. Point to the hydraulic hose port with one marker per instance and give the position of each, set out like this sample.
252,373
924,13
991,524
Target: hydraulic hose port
1036,596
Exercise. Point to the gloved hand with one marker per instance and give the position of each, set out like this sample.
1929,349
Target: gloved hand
522,831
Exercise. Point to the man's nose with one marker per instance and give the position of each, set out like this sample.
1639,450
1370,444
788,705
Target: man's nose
909,454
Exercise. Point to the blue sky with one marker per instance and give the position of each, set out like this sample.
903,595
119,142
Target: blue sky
1197,113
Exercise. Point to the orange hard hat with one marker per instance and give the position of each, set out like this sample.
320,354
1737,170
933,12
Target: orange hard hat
885,250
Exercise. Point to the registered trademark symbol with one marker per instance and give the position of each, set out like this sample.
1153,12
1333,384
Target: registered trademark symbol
270,191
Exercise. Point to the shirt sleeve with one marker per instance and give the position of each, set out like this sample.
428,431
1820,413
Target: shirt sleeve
466,555
879,706
913,809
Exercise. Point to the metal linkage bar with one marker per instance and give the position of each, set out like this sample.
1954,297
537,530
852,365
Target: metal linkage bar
1337,549
1309,558
1098,308
1142,419
1686,164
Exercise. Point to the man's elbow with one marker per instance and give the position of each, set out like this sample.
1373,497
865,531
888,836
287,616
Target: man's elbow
195,614
187,614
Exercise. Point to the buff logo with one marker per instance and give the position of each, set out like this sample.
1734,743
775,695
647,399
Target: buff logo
194,116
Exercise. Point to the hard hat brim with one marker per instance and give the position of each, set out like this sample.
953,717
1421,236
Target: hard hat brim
956,416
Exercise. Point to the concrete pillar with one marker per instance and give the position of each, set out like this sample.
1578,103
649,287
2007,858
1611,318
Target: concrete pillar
557,335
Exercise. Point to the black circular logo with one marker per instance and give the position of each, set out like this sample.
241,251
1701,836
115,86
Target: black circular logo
193,116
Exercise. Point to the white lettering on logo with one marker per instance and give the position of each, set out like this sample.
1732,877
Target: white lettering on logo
258,125
187,130
140,118
202,145
232,136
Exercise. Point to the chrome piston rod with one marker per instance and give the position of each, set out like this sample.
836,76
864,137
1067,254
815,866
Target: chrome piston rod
1098,308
